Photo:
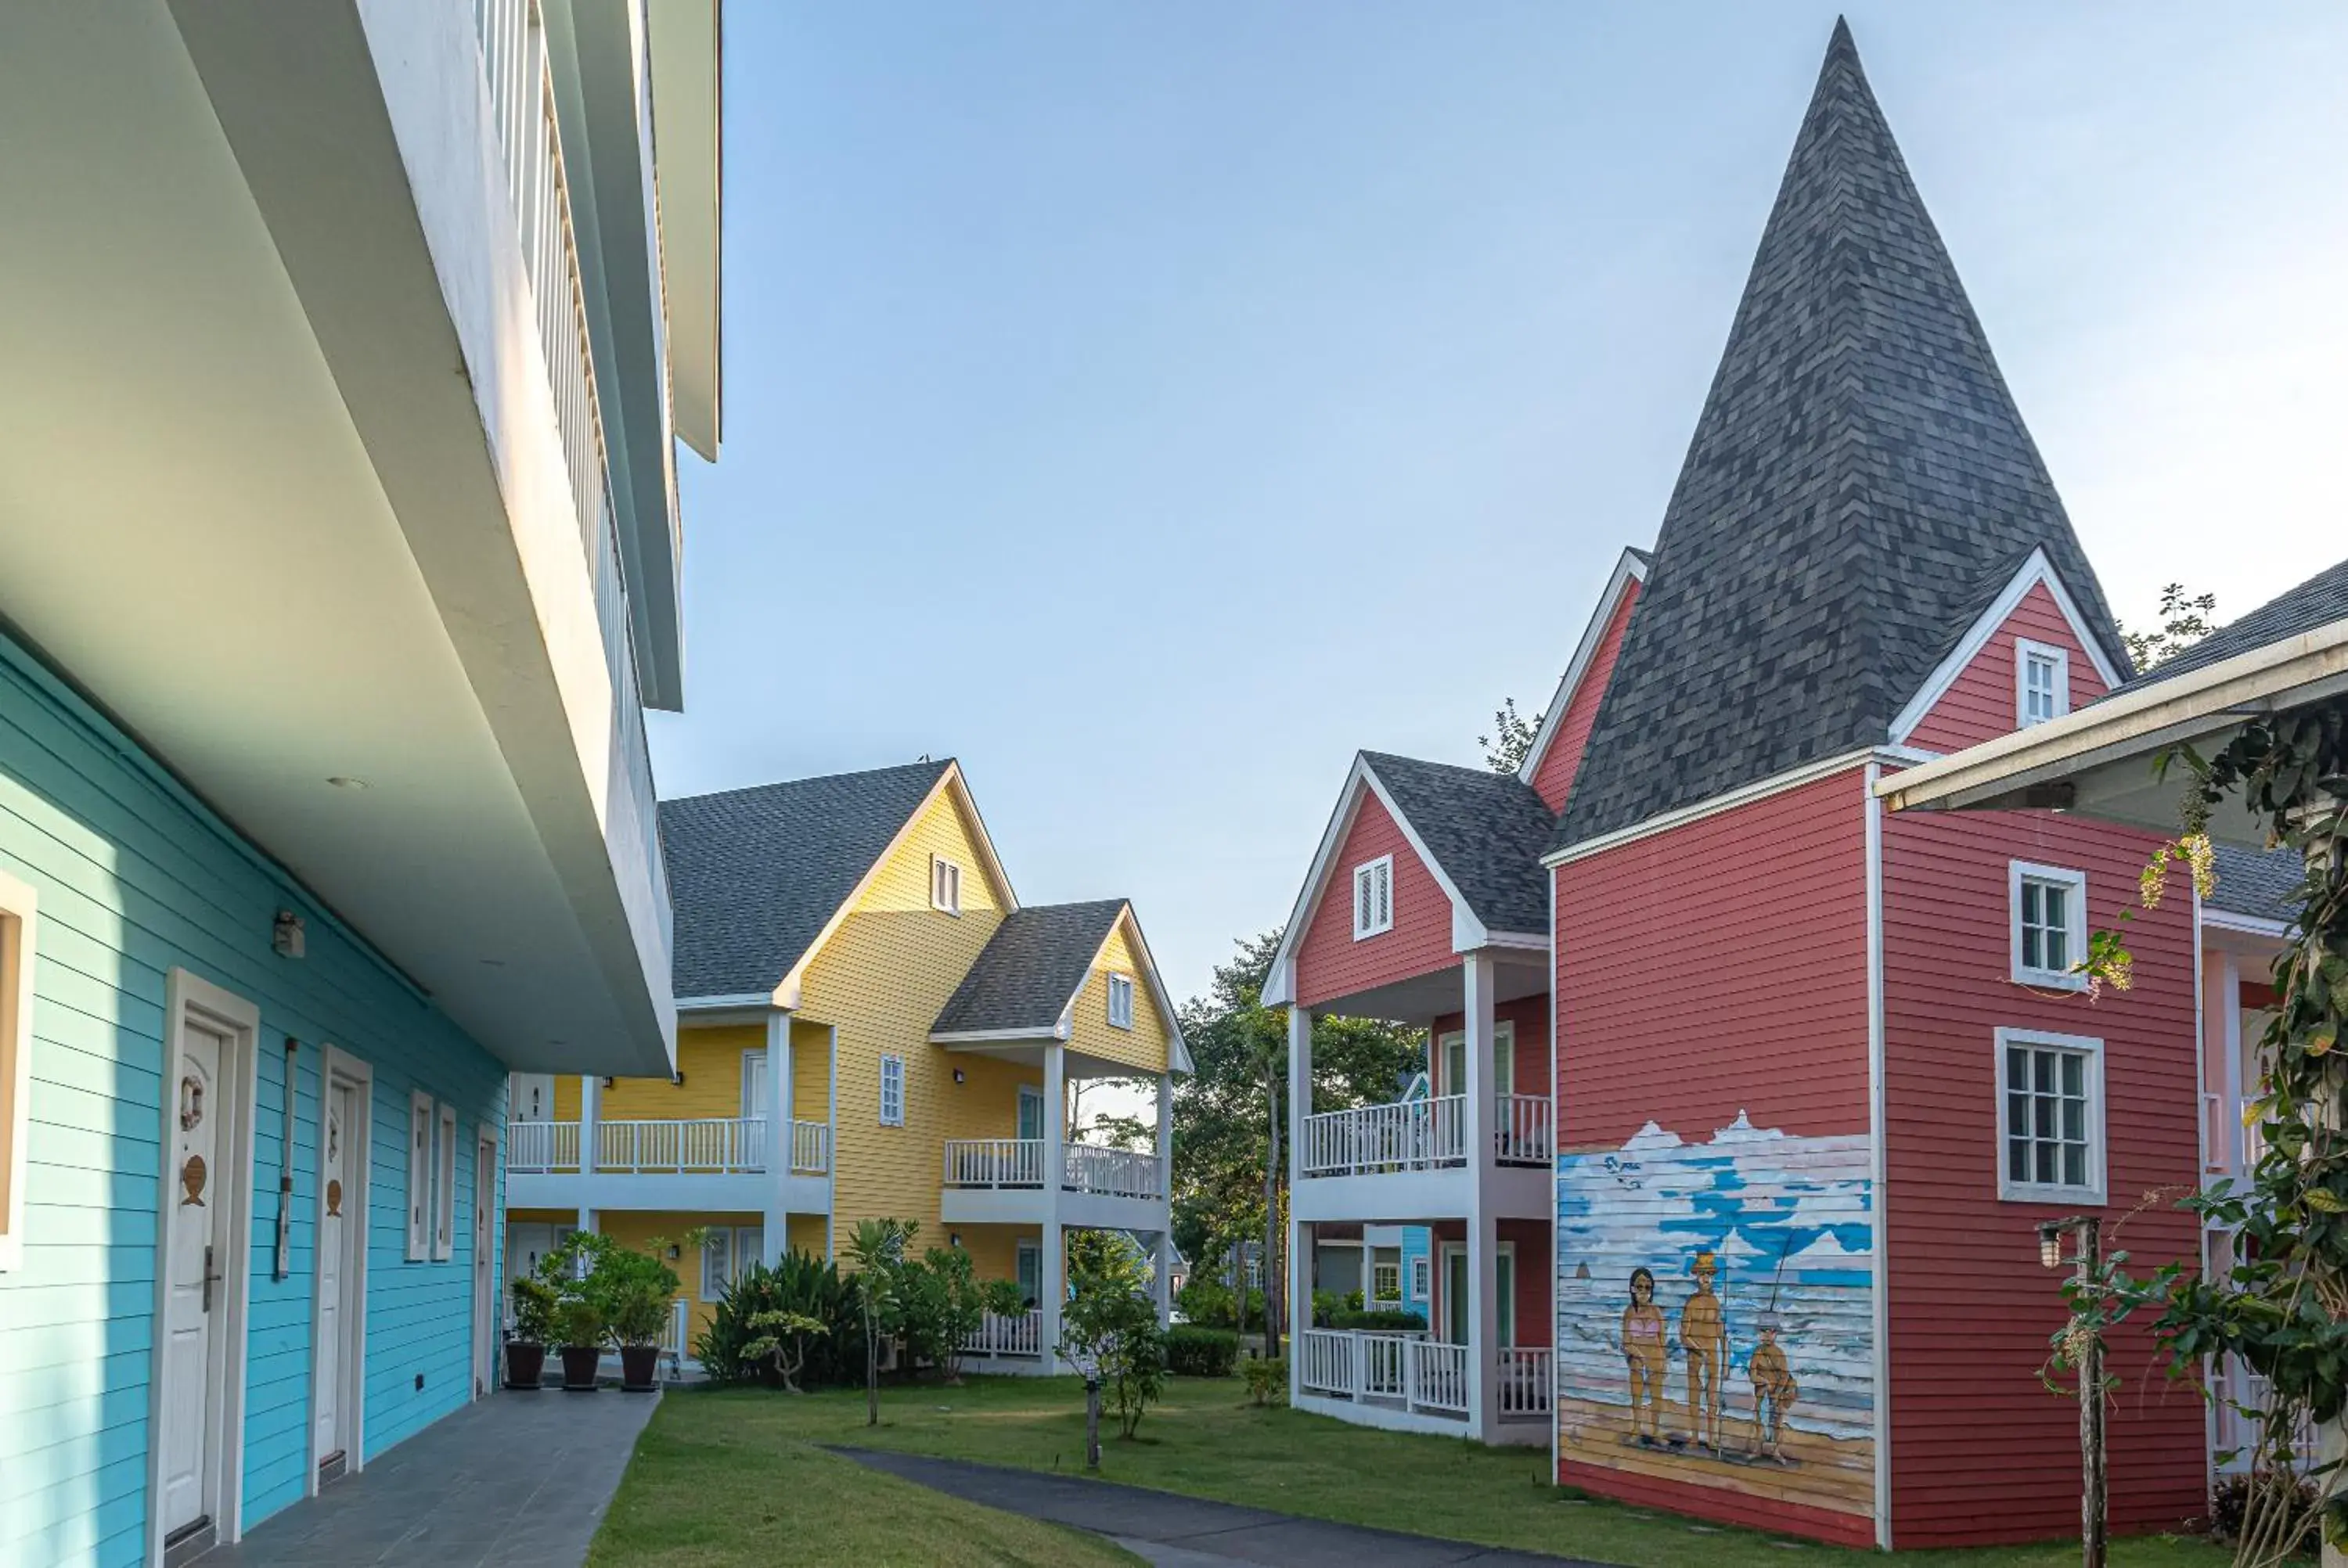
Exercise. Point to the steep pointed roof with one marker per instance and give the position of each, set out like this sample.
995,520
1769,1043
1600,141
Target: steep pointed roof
1858,470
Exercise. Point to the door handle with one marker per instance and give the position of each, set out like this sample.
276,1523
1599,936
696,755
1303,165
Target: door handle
209,1277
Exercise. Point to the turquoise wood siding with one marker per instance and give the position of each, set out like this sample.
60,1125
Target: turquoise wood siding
135,879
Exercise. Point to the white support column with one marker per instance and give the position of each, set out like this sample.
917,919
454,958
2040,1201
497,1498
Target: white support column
831,1151
778,1114
590,1091
1483,1229
1056,1171
1166,1196
1299,1246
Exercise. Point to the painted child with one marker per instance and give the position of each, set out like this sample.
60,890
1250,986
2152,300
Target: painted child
1774,1390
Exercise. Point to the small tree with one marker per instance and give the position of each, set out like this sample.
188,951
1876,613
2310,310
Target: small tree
878,1248
781,1342
2184,621
1511,742
1111,1332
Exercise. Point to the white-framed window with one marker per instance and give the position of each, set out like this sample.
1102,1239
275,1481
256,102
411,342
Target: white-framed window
19,918
2050,1117
1422,1277
1385,1281
2048,915
419,1176
1373,896
892,1092
444,1189
945,885
2042,682
725,1251
1120,1002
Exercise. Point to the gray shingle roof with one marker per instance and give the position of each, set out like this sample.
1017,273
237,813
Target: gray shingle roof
2320,600
754,874
1030,969
2257,882
1487,830
1857,469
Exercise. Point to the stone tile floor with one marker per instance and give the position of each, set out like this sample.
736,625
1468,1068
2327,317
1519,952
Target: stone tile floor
519,1481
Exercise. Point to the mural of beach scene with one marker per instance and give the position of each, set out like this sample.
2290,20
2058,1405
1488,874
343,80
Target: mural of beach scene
1715,1321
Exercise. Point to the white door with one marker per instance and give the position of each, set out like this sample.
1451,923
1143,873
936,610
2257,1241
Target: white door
335,1274
195,1298
533,1097
754,1083
525,1245
1504,1060
485,1257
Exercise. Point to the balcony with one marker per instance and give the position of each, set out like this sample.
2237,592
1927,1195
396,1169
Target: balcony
1000,1181
1408,1159
1415,1383
719,1163
1018,1336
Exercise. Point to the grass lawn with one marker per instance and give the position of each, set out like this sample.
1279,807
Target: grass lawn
714,1483
705,1445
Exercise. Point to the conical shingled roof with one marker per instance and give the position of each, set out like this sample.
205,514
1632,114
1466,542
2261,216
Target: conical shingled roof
1858,468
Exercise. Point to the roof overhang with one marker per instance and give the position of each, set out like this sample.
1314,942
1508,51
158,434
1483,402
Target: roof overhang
2100,760
688,170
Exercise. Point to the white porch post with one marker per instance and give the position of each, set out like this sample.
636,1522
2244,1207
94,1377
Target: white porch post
1166,1196
1056,1171
590,1118
1300,1250
1483,1228
778,1114
832,1144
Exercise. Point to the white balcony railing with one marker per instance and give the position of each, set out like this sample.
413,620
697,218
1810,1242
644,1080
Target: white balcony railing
1525,1385
1522,1133
1424,1135
1022,1334
719,1145
1018,1163
1438,1376
1412,1372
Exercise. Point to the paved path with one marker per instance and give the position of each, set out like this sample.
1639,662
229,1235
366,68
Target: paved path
520,1481
1176,1532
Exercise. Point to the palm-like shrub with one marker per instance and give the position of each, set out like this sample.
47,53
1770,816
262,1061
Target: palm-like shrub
797,1286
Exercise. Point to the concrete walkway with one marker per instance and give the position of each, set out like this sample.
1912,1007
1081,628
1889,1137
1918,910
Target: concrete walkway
1176,1532
519,1481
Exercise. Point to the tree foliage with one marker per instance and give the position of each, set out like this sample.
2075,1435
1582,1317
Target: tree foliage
878,1249
1109,1331
2184,620
1511,740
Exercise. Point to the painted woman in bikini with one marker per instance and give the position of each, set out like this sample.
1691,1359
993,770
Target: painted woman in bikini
1643,1348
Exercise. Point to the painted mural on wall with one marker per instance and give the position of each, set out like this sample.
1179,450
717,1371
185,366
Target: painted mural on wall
1715,1316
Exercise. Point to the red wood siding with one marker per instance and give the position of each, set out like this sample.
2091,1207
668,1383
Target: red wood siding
1329,963
1980,705
1970,1306
1530,1016
1753,1512
1554,780
1716,967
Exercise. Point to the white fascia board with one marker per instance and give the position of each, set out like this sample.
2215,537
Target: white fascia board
2288,672
1629,569
1178,1051
2035,570
726,1003
1280,981
1727,800
2248,924
1043,1036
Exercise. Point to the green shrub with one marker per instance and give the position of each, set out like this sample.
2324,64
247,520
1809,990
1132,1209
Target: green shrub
1267,1380
533,1310
1385,1320
579,1325
1195,1352
1209,1303
802,1286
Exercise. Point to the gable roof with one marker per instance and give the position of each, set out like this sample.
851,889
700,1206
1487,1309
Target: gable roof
2256,882
1030,970
2320,600
1629,570
755,875
1857,476
1485,830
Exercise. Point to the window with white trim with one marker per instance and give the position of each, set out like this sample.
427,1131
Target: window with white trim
2048,914
1120,1002
716,1262
419,1176
1422,1277
1373,896
945,885
2041,679
2050,1117
444,1192
18,919
1385,1281
892,1092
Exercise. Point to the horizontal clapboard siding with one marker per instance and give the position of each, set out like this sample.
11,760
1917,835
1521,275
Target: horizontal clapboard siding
1981,703
1330,964
1971,1308
135,879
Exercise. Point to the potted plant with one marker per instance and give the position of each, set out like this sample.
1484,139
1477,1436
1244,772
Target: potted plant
580,1330
533,1320
640,1309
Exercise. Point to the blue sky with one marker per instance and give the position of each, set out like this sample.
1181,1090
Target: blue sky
1152,405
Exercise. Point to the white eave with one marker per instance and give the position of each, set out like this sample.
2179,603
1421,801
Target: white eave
689,165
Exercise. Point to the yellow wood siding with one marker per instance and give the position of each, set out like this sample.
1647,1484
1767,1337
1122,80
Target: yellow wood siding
994,1249
805,1233
1143,1047
566,1097
711,1060
881,979
810,1072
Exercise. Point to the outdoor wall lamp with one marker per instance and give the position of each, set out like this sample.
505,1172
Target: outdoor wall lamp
676,1078
957,1075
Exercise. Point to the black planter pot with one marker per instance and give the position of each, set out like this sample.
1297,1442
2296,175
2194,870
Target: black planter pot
525,1364
639,1368
579,1368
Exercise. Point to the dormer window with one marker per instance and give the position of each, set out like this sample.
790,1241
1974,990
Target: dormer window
1373,896
1120,1002
945,885
2042,675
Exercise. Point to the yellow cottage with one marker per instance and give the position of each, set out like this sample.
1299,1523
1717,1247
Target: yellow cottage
870,1025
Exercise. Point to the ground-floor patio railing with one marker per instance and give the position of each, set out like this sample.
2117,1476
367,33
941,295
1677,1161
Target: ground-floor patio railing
1412,1372
1527,1383
1020,1334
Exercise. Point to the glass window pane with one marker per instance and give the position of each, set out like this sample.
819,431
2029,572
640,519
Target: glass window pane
2075,1166
2046,1163
2044,1063
2074,1121
2074,1072
2058,950
2017,1159
2033,904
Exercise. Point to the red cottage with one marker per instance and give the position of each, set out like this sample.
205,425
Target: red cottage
1818,1075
